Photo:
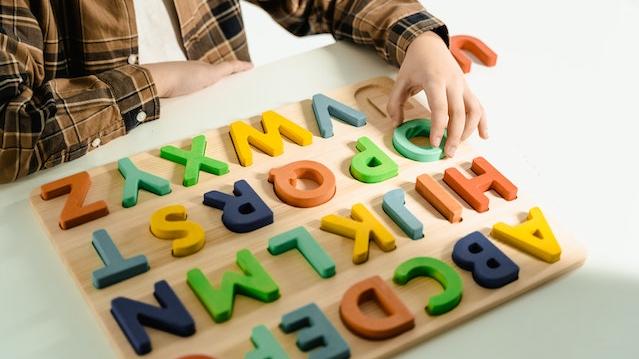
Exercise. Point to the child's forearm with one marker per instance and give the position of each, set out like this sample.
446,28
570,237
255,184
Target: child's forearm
177,78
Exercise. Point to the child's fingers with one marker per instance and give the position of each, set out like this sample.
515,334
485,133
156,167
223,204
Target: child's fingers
239,66
221,70
231,67
438,104
398,96
483,124
473,114
457,114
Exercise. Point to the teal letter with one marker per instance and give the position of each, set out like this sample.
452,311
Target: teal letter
394,205
266,346
316,333
324,107
416,128
116,268
134,179
299,238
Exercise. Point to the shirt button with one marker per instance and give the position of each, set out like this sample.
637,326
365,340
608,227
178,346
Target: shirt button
141,116
96,142
133,59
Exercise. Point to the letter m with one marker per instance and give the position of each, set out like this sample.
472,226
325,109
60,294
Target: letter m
270,140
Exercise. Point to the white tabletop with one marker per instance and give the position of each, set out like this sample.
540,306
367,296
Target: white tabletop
562,105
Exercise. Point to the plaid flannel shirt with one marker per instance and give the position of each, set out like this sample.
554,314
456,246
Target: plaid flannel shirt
70,82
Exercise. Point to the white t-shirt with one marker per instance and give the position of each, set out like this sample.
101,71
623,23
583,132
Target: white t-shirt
159,36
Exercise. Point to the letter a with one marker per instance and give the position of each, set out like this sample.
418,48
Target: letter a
533,236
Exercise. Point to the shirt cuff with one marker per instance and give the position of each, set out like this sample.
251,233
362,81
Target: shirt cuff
135,94
405,30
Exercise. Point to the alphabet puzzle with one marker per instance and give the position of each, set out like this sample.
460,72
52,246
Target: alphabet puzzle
313,231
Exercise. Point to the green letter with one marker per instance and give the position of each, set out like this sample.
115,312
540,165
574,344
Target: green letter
254,283
371,164
439,271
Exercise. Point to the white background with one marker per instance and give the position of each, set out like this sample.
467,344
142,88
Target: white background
562,103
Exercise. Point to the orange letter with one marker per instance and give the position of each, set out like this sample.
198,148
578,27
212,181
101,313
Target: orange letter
74,212
285,178
472,190
398,318
473,45
439,198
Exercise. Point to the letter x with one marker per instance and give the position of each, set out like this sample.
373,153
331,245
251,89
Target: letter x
194,160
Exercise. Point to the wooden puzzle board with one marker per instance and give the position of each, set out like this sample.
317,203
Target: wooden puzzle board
299,284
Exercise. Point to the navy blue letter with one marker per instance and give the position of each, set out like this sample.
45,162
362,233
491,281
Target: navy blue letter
243,212
491,268
170,317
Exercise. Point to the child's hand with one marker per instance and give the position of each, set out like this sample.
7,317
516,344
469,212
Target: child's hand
429,66
179,78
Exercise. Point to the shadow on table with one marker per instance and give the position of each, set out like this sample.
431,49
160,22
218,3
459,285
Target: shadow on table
43,312
590,313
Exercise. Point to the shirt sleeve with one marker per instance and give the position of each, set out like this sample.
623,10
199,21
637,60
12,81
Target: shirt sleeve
44,123
389,26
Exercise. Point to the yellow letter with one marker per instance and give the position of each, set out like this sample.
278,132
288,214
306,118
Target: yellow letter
270,141
170,223
361,228
533,236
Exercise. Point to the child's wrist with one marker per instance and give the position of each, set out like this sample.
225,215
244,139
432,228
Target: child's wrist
429,37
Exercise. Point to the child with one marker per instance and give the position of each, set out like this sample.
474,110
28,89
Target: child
70,79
